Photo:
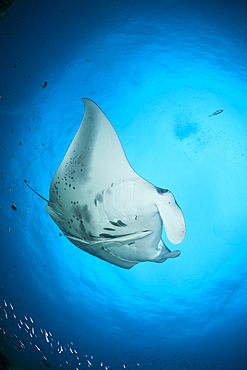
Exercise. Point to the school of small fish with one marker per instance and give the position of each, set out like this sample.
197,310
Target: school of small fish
40,346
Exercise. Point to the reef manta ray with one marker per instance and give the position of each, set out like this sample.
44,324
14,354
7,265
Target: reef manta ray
103,207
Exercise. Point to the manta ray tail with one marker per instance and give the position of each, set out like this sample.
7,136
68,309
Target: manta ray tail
35,191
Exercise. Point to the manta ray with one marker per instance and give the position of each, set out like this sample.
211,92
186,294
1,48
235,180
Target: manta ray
103,206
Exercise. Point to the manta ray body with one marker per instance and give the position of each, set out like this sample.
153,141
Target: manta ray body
103,206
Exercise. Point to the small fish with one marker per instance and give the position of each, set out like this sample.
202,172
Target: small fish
44,85
13,206
46,363
217,112
37,347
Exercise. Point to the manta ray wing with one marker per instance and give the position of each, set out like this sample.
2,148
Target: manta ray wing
95,157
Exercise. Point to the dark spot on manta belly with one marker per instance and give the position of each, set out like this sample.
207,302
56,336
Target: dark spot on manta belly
119,223
82,212
86,213
108,228
98,198
114,223
161,191
109,236
131,243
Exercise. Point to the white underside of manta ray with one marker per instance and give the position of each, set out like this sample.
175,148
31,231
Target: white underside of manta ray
103,207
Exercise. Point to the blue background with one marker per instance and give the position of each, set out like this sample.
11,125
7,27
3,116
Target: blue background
157,69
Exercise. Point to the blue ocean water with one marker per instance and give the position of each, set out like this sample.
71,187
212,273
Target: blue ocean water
158,69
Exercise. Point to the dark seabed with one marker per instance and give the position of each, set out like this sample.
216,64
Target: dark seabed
158,69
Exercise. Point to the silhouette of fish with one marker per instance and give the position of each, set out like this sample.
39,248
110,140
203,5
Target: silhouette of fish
46,363
217,112
44,84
